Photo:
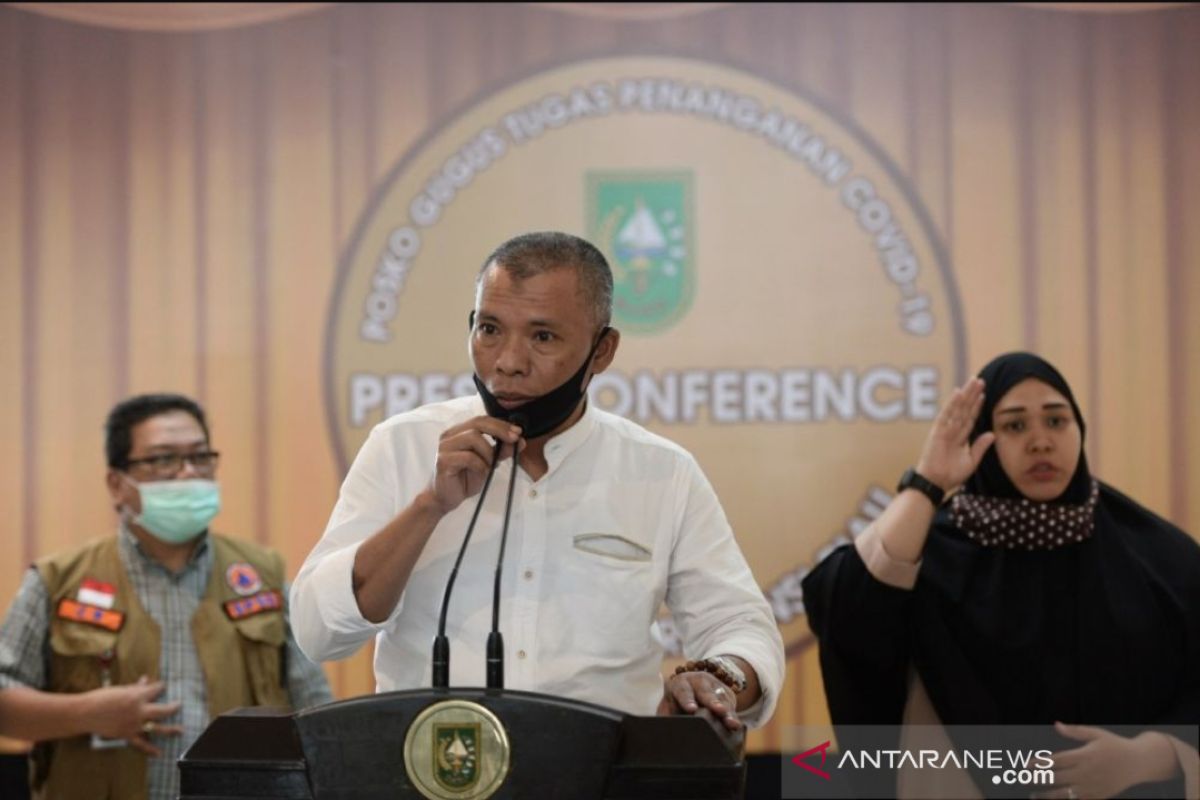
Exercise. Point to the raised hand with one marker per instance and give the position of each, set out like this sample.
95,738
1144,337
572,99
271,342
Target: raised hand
947,458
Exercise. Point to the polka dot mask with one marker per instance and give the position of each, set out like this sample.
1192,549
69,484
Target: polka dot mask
1022,524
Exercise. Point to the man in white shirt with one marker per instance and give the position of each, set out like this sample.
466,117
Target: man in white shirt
608,522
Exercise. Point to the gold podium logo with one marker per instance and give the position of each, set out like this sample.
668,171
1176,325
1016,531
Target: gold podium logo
456,750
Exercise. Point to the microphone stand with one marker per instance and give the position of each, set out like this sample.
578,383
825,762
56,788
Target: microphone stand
495,641
441,645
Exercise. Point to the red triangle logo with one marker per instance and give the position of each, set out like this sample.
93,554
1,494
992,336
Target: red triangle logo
800,762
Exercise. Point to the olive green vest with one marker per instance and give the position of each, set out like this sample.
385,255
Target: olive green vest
242,655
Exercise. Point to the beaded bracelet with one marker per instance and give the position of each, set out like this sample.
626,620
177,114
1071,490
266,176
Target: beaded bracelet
716,670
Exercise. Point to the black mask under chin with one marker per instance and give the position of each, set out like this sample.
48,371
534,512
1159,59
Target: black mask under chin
542,414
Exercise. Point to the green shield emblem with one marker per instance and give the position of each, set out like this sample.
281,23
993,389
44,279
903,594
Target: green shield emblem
456,755
643,222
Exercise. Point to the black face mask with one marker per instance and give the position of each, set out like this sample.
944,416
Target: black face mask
542,414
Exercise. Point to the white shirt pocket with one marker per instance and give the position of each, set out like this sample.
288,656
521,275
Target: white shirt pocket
609,583
613,545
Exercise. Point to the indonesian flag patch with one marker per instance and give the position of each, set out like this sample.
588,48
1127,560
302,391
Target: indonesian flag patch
96,593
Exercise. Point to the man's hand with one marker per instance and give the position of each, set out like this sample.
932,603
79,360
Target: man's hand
465,456
686,692
385,560
129,712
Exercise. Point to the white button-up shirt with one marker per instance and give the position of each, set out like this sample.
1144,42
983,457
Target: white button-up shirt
622,521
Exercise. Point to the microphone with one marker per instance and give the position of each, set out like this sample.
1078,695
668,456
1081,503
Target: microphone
495,641
441,645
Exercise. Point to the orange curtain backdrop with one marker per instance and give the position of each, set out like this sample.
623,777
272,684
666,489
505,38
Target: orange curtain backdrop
174,206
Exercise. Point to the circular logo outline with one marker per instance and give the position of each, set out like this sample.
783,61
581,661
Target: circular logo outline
243,569
383,188
414,753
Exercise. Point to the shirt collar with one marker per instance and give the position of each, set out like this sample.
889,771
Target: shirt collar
560,446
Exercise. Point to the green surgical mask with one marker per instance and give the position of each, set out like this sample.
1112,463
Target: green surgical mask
177,511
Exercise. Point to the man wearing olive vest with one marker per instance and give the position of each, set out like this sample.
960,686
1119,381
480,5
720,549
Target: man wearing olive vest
115,656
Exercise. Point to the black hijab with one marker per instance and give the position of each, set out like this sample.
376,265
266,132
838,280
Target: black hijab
999,376
1104,631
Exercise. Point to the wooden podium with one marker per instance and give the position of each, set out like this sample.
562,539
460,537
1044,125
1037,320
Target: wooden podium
465,744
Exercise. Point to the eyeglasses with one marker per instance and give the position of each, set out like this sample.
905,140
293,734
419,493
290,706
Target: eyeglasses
166,464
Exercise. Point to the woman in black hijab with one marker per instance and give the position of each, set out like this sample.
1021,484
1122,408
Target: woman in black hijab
1035,595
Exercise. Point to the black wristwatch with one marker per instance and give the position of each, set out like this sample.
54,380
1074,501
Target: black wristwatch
915,480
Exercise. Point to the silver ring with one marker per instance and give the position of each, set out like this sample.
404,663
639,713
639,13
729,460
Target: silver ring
149,727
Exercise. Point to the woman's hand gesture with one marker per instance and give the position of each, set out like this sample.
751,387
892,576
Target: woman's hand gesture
947,458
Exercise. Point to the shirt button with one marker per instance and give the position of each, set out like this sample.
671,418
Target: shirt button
533,492
528,574
520,654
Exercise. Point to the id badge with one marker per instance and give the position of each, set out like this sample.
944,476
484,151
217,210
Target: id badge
104,743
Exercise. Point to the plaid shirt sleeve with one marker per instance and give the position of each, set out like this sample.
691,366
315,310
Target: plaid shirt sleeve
24,637
306,681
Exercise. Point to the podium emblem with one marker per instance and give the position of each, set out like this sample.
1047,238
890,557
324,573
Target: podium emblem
456,750
456,753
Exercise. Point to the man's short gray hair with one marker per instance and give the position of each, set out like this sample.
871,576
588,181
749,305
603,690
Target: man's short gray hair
534,253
